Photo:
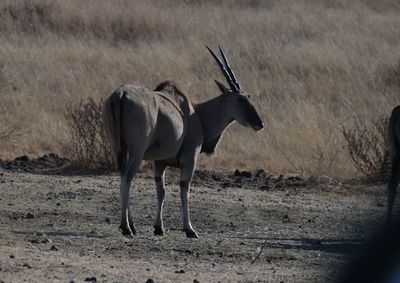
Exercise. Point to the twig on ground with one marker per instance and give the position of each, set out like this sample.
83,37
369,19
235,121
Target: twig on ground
259,253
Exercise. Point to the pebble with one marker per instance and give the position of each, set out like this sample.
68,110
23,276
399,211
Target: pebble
27,265
180,271
29,215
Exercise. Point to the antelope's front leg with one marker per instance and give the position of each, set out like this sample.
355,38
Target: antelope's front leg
159,171
186,178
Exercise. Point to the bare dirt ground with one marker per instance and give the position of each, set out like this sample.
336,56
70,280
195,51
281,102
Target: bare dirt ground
58,228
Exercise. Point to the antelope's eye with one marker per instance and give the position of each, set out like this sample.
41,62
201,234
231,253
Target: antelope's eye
248,96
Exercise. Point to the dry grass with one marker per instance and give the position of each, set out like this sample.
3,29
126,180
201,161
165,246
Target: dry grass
311,66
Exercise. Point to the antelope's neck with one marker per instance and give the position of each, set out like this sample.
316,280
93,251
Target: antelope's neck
214,117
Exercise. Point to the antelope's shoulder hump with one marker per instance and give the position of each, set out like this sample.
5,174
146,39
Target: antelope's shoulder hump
172,91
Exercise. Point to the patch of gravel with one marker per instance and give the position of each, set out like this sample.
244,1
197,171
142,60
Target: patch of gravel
27,164
257,179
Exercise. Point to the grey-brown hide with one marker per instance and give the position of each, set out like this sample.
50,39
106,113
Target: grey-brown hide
163,126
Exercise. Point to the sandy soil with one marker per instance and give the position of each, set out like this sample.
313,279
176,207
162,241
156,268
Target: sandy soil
58,228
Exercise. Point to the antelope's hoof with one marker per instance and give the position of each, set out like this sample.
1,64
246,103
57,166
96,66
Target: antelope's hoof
126,231
158,231
191,234
132,227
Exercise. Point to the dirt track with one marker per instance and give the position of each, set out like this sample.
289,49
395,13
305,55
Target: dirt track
62,228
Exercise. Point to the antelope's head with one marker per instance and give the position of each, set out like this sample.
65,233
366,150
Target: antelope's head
237,101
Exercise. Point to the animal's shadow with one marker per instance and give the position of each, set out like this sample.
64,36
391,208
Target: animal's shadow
328,245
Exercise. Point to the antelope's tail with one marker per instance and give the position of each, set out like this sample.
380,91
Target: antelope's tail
112,119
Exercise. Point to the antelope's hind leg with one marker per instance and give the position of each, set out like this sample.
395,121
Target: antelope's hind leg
127,228
159,170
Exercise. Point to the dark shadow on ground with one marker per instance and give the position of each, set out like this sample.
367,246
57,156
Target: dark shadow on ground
329,245
58,234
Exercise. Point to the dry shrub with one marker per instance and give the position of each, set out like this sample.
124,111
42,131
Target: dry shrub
368,148
87,146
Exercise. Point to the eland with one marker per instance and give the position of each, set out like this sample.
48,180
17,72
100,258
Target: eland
165,127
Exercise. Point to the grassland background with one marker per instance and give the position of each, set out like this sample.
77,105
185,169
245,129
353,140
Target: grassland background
310,67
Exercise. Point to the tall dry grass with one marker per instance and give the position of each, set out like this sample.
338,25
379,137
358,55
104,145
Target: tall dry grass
309,65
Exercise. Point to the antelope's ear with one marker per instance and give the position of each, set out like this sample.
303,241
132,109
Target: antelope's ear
221,87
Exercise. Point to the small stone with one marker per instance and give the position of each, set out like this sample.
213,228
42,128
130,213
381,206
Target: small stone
246,174
12,256
195,281
34,241
264,188
27,265
180,271
23,158
285,218
150,280
29,215
108,220
260,173
45,241
53,155
90,279
53,248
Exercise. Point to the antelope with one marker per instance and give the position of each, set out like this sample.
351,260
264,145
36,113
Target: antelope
394,149
165,127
